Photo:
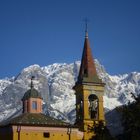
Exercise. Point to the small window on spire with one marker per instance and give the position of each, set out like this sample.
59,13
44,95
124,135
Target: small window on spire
85,71
34,105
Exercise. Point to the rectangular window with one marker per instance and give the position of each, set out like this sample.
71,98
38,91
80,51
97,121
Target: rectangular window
34,105
46,135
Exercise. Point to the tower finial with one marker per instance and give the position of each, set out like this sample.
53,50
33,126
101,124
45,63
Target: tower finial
32,78
86,27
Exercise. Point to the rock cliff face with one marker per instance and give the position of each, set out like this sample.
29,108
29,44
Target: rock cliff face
55,83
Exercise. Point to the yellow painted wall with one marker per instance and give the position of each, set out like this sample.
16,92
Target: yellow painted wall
37,133
39,136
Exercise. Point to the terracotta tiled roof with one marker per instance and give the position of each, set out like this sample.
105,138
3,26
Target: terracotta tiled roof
35,119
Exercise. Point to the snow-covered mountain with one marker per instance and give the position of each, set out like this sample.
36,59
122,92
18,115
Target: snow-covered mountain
55,83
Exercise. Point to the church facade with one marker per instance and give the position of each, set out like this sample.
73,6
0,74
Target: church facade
32,124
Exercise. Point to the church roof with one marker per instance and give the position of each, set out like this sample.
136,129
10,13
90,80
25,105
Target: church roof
31,93
88,71
35,119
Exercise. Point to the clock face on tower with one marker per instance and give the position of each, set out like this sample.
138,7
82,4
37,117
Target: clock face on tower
93,106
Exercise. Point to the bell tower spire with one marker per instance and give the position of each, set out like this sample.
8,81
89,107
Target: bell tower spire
89,94
88,69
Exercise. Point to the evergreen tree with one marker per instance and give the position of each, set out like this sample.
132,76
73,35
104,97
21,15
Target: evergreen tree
102,133
131,120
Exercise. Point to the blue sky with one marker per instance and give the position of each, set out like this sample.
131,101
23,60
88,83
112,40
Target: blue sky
49,31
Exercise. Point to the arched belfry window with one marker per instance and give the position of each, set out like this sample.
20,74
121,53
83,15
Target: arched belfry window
93,106
80,109
81,106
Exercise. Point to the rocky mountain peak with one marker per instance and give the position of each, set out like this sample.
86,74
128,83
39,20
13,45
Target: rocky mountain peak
55,83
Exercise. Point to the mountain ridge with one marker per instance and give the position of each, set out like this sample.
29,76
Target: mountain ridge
55,83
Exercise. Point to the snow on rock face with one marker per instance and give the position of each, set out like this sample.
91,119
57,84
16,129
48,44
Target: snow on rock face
61,79
4,83
55,83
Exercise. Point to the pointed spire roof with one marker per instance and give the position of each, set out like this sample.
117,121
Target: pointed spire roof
88,71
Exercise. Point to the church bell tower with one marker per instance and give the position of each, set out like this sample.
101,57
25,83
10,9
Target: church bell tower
89,94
